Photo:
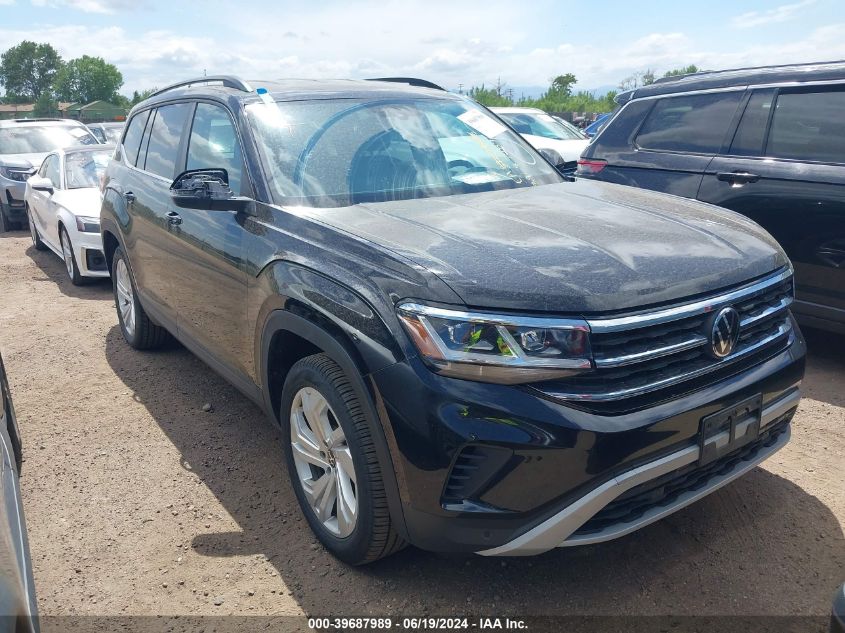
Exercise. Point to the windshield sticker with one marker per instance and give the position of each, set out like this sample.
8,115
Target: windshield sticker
477,120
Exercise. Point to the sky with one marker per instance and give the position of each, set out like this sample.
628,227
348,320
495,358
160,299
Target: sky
453,43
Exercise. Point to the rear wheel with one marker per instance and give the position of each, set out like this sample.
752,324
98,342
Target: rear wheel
76,277
137,328
33,232
333,465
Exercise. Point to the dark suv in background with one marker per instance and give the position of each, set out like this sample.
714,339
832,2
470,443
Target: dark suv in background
464,349
766,142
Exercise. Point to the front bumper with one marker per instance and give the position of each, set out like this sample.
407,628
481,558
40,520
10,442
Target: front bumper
507,470
12,200
88,250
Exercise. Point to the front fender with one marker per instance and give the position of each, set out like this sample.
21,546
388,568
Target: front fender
309,328
330,306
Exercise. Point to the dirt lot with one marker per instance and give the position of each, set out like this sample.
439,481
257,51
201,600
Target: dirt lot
138,502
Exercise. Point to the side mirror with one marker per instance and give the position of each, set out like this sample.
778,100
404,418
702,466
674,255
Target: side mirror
39,183
553,157
206,190
557,161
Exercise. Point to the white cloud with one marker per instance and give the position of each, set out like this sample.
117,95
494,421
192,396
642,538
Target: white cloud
91,6
402,38
778,14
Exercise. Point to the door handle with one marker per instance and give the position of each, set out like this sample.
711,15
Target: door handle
174,218
737,177
129,197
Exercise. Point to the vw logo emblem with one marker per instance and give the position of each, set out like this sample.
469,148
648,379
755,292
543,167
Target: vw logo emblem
724,332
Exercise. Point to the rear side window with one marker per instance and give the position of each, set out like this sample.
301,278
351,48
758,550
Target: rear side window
809,126
134,133
214,143
749,137
695,123
163,148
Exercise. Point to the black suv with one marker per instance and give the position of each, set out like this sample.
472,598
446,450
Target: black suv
464,349
766,142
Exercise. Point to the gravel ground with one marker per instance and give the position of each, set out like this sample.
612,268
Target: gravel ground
140,502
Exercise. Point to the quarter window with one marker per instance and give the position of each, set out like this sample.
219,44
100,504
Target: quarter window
696,123
134,133
214,144
163,148
809,126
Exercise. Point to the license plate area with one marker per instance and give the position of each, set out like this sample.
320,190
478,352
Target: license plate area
729,429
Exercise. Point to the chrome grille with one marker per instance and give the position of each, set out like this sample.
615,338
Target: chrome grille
640,353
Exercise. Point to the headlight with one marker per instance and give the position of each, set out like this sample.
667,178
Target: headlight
497,348
18,174
88,225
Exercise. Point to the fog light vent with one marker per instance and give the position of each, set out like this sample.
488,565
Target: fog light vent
473,469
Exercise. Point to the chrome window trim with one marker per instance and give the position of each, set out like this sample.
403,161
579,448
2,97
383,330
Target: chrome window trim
741,87
696,308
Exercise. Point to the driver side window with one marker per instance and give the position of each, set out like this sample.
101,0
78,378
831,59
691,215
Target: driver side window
214,144
51,170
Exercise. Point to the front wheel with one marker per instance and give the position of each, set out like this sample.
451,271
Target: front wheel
333,465
72,268
33,232
137,328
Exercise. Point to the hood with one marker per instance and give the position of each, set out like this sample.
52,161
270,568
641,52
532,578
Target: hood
85,201
23,160
576,247
570,150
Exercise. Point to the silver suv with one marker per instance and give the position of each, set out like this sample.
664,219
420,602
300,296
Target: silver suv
23,145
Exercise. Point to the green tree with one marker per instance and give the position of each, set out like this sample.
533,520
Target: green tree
562,85
28,70
138,97
87,79
46,106
687,70
490,97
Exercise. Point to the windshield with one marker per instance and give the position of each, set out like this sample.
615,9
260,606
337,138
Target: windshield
38,139
540,124
339,152
86,168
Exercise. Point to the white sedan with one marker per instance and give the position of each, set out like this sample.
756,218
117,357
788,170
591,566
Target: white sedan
561,144
63,204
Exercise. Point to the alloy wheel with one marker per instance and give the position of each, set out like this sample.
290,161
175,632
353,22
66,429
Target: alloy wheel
125,296
32,230
67,253
323,462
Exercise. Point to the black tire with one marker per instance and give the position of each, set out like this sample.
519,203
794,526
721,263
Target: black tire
145,334
33,230
73,271
374,535
4,223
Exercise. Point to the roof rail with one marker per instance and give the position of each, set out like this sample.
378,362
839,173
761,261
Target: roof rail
227,80
662,80
411,81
